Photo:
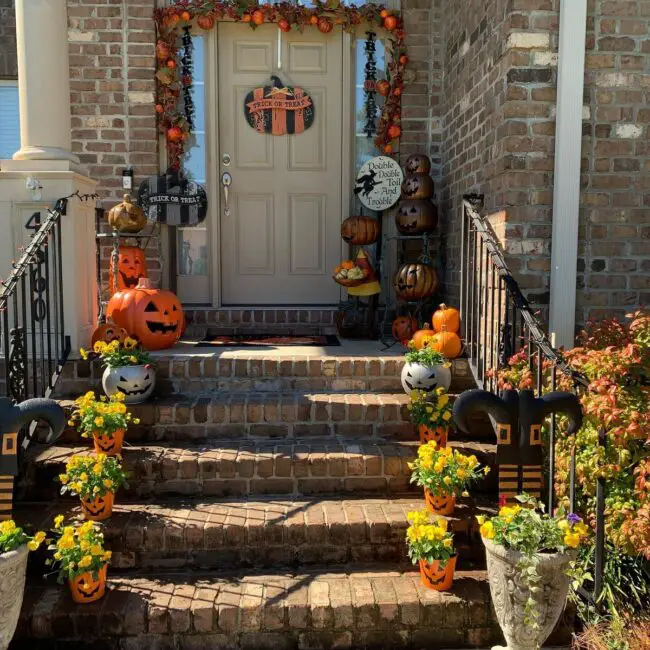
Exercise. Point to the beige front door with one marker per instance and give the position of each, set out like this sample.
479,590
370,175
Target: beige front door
281,238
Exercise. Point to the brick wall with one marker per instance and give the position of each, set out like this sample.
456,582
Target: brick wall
8,67
614,264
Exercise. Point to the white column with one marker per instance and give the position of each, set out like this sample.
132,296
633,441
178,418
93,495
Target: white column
43,80
566,188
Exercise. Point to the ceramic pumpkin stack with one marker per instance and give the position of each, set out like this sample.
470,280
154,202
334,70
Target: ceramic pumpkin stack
416,213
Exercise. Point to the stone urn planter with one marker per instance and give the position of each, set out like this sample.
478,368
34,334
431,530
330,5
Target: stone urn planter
12,586
136,382
510,593
417,376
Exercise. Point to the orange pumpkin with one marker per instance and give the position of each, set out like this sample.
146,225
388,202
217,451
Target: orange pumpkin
360,231
85,588
446,318
111,445
109,332
99,507
442,504
404,327
422,336
131,266
153,316
447,343
433,577
439,434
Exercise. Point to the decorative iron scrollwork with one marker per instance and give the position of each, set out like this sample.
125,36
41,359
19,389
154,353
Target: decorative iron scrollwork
38,285
17,370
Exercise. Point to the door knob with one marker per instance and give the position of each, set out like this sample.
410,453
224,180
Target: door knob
226,182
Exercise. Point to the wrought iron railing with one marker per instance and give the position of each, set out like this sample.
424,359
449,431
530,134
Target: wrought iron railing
498,322
33,341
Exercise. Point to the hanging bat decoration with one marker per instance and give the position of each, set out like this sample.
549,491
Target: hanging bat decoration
12,418
518,417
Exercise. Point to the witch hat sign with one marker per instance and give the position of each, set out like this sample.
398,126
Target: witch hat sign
279,109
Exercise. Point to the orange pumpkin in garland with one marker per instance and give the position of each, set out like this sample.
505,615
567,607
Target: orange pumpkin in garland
153,316
131,266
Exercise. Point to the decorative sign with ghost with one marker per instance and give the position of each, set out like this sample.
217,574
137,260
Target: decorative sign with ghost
378,183
279,109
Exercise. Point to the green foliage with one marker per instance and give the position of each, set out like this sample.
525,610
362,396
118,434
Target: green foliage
426,356
428,539
91,476
13,537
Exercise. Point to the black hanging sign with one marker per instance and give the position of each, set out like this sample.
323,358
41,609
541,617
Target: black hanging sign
278,109
370,85
173,200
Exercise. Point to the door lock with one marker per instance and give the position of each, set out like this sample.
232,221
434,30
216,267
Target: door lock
226,182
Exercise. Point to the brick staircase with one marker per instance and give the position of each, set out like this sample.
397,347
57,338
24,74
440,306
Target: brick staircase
266,509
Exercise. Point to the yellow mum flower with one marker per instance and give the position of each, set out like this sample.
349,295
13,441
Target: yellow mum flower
446,416
96,549
64,478
107,555
84,545
97,469
117,397
70,423
487,530
572,540
65,543
99,421
99,347
86,527
108,483
448,543
447,480
130,343
7,527
85,561
481,519
443,400
58,520
133,359
461,473
84,354
83,477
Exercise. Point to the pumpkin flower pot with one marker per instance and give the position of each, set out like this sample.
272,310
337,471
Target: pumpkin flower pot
431,413
528,560
104,420
425,370
14,549
95,479
445,474
431,546
79,558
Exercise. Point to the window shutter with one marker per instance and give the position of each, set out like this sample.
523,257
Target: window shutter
9,121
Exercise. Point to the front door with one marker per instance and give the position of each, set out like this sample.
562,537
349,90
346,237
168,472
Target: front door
280,236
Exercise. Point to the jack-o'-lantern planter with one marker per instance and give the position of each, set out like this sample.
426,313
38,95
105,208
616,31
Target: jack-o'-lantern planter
107,333
131,266
435,552
440,504
413,281
417,186
416,217
95,479
127,216
431,413
360,231
80,559
153,316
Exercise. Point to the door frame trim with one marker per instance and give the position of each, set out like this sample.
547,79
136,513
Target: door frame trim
213,147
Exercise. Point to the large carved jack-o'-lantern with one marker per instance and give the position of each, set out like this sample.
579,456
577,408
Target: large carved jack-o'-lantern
98,508
417,186
131,266
86,588
153,316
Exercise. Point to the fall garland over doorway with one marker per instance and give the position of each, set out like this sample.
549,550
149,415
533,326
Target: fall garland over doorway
175,81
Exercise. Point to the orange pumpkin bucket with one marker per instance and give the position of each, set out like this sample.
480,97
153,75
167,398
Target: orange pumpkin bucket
439,434
86,589
99,508
443,504
433,577
109,445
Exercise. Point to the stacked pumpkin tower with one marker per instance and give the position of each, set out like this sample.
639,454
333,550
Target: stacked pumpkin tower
415,282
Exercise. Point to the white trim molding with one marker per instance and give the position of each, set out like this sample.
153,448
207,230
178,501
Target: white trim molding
566,186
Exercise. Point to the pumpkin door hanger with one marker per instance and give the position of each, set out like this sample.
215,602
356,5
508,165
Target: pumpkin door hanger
279,109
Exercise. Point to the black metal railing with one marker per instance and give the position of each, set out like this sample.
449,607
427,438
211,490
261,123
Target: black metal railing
497,323
33,338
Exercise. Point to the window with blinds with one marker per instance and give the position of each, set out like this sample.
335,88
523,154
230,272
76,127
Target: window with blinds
9,120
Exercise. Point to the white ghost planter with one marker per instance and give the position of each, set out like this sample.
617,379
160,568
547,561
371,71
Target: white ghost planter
136,382
417,376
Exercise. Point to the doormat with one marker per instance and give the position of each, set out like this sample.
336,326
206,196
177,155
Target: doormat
267,341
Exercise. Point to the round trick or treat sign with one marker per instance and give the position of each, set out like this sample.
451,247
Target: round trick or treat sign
379,182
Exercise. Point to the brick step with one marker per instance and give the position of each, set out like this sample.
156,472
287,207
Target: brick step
187,368
342,607
277,415
268,532
226,468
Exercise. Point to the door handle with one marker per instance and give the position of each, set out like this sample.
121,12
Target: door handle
226,182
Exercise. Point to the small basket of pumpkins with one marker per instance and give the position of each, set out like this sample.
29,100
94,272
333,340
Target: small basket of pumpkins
348,274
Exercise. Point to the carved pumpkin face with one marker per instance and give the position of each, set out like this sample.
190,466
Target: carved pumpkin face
415,281
131,267
127,217
414,217
109,332
360,230
98,508
136,382
417,163
417,186
404,327
154,316
87,588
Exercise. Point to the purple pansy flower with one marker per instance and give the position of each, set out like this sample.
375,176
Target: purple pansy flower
574,519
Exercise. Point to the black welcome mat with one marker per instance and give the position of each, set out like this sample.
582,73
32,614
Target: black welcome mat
266,341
